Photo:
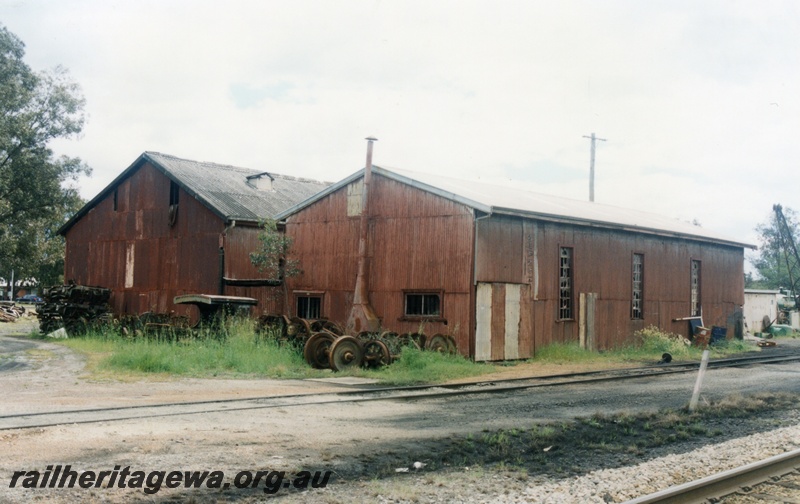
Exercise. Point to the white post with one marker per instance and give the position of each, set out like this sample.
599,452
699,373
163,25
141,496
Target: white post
699,383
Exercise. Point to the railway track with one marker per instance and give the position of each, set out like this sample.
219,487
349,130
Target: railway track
407,393
776,479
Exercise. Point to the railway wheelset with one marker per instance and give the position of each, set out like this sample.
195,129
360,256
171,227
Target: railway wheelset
326,345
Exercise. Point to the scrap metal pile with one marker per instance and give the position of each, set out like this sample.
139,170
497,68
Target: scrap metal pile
153,324
9,312
326,346
76,308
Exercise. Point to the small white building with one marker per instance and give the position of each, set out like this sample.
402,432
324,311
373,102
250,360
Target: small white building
759,303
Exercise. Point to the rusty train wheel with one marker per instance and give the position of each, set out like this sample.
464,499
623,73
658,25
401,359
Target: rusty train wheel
316,350
303,326
416,340
438,343
327,325
451,342
346,352
377,354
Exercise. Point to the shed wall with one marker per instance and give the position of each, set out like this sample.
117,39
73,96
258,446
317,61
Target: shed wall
135,252
526,251
417,242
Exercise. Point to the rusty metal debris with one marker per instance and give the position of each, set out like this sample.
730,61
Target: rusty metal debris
326,346
77,308
153,324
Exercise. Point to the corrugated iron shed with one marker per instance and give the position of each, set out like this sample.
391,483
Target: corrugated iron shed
494,259
495,199
223,189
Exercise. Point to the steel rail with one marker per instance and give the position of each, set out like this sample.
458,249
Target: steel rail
568,379
408,393
726,482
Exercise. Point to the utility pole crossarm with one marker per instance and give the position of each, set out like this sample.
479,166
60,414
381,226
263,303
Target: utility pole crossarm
594,139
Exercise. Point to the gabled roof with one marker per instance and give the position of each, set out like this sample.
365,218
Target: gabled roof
493,199
225,190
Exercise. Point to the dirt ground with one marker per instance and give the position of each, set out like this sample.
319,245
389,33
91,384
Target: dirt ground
359,443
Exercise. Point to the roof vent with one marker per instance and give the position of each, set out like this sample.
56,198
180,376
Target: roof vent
261,181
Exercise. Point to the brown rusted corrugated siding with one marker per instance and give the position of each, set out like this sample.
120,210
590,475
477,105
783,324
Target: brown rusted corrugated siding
167,261
240,241
525,251
418,242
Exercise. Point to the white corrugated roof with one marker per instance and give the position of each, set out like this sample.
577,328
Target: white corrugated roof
510,200
495,199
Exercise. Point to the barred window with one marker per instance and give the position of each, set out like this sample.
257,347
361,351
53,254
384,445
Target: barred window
696,308
565,294
423,304
637,287
309,307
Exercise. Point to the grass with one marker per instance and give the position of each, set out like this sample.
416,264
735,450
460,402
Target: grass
417,366
236,350
648,345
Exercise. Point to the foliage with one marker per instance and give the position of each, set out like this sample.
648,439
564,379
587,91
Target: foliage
270,257
35,108
34,249
420,366
770,265
236,350
647,346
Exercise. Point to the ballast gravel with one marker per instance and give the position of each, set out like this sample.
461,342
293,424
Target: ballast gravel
619,485
600,486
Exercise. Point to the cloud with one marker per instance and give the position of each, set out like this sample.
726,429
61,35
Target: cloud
681,91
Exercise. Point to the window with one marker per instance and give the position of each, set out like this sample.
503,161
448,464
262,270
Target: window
565,272
174,191
309,307
116,199
423,304
696,308
637,287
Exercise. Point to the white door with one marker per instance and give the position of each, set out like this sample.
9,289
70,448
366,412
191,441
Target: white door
483,319
510,321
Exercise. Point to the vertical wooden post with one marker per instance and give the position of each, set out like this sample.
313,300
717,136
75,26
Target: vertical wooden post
582,320
591,303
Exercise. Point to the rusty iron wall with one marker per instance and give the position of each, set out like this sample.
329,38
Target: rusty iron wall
525,251
166,260
417,242
239,242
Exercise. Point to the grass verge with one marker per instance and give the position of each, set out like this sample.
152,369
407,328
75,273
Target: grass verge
647,346
236,350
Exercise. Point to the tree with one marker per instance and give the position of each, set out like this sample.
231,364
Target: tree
770,265
270,257
34,250
35,108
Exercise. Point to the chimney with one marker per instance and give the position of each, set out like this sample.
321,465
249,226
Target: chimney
362,316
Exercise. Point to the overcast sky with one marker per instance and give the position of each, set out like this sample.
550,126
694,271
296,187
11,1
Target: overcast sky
698,100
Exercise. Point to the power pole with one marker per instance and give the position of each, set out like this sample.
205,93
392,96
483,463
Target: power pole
593,138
